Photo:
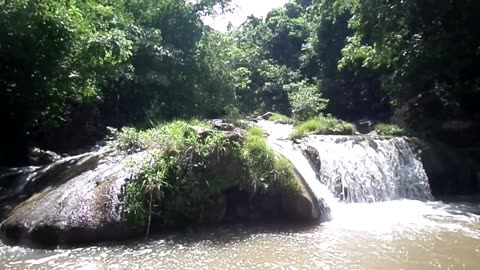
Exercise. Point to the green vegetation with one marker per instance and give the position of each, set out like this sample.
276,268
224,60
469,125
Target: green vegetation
281,119
188,165
389,130
130,61
365,57
266,169
83,64
324,126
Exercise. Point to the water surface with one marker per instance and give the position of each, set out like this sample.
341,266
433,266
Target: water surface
386,235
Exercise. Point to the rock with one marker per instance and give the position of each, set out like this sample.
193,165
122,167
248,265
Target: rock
24,181
214,210
80,200
202,132
39,157
221,125
88,208
300,206
266,116
234,136
449,171
365,126
313,157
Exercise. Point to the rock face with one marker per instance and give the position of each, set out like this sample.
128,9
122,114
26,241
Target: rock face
86,208
39,157
449,171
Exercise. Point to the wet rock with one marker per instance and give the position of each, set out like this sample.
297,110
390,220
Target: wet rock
39,157
449,171
313,157
300,206
365,126
88,208
433,115
25,181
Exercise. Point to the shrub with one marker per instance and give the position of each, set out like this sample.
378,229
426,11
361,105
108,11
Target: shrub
323,125
281,119
389,130
305,100
181,172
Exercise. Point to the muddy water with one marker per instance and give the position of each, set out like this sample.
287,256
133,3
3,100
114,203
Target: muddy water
387,235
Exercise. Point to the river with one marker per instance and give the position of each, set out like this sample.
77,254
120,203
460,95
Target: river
402,234
383,217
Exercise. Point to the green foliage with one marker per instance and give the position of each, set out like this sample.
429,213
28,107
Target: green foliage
281,119
137,60
389,130
323,126
305,100
263,63
417,46
265,168
182,171
56,53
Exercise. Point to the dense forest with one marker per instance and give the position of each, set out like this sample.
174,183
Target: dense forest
69,69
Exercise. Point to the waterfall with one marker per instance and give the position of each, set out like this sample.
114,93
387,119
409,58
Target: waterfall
356,169
363,169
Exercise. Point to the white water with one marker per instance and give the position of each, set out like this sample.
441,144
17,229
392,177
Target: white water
358,169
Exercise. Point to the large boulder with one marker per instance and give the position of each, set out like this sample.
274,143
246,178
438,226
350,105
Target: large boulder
449,171
82,199
89,207
39,157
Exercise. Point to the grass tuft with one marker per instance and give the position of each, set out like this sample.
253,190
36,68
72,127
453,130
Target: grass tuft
389,130
324,126
281,119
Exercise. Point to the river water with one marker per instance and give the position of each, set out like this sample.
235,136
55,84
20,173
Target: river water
383,217
386,235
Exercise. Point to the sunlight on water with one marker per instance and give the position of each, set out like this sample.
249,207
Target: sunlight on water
386,235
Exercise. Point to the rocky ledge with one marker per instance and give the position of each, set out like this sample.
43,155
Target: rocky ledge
81,200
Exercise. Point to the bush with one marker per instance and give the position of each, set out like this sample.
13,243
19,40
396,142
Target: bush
323,125
305,100
389,130
281,119
182,171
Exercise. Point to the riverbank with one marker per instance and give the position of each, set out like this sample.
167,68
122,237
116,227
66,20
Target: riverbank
181,174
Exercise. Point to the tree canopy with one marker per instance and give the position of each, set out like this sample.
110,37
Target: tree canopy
138,61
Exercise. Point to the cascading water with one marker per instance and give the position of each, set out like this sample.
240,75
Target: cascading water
362,169
354,168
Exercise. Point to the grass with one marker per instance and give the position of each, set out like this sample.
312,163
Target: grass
389,130
281,119
323,125
265,168
182,171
